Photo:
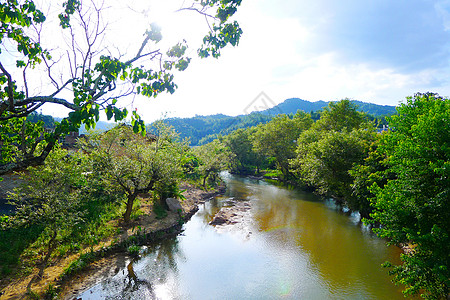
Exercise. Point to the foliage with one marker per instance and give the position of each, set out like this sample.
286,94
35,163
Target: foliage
21,140
190,164
278,138
292,105
80,263
371,171
203,129
159,210
414,207
213,158
341,116
325,162
34,117
327,151
97,78
130,164
51,198
51,292
133,250
245,159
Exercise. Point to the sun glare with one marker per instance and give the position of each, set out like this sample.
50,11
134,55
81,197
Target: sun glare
176,25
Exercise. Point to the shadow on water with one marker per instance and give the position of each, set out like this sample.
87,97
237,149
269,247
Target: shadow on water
300,247
140,278
5,209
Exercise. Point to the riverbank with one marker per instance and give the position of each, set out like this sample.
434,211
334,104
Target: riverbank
144,229
279,253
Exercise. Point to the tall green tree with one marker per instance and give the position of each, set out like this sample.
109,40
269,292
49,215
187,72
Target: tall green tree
246,160
414,208
327,152
325,162
51,197
213,158
97,78
372,170
278,138
132,164
339,116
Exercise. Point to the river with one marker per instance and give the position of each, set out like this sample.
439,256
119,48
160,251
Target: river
289,245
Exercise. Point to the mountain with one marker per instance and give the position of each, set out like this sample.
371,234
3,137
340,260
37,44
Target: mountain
290,106
203,129
99,126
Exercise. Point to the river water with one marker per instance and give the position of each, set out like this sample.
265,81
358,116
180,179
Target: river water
289,245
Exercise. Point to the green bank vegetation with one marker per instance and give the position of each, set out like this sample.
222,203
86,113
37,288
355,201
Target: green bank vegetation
77,199
398,180
70,198
91,74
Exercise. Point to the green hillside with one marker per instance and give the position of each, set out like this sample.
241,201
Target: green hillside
203,129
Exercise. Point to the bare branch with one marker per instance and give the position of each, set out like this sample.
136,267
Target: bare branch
70,64
74,74
22,112
55,83
10,88
144,43
61,88
25,82
200,11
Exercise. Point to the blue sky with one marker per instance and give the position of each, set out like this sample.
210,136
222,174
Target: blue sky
377,51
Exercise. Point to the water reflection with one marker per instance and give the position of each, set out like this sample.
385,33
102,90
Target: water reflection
341,253
300,248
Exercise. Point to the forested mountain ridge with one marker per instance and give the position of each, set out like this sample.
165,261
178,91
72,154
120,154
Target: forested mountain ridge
291,105
203,129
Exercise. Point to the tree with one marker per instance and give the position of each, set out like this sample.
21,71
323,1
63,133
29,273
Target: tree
325,162
240,144
213,158
51,197
365,174
414,207
339,116
278,138
97,77
133,164
333,145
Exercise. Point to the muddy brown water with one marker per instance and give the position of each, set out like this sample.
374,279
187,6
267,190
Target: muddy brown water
288,245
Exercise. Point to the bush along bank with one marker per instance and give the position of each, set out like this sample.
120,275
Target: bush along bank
144,230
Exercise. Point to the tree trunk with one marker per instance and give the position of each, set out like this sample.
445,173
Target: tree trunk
130,202
51,248
204,180
28,161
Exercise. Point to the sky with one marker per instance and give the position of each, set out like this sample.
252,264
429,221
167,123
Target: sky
377,51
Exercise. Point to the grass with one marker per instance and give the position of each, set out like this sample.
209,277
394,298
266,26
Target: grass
79,264
13,243
133,250
273,174
22,247
159,211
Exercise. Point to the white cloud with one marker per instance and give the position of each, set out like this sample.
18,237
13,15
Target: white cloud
443,10
371,51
